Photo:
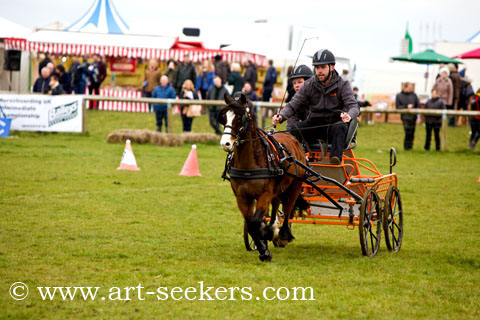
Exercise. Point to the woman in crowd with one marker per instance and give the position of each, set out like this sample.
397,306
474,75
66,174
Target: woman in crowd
235,78
205,79
188,92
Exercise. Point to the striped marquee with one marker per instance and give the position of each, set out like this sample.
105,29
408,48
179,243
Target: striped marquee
197,55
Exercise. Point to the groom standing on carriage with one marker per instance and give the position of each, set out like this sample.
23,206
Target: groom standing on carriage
331,106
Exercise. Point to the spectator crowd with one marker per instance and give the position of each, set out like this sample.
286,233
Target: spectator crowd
212,80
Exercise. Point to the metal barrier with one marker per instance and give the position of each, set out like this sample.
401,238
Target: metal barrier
275,105
260,105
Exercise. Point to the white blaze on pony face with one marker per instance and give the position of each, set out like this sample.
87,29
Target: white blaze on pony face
228,140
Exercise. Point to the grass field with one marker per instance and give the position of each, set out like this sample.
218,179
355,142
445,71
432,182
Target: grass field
64,222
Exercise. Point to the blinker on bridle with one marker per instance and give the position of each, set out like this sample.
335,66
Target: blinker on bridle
245,127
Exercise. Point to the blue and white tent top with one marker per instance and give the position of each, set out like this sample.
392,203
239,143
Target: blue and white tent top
102,17
475,38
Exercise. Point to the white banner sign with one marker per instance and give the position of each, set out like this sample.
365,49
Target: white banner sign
43,112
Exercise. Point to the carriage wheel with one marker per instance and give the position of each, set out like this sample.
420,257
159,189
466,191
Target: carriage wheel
393,219
249,245
370,221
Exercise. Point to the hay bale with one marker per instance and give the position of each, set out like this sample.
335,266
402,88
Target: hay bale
191,137
159,138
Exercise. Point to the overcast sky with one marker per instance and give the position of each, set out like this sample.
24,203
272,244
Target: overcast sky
370,30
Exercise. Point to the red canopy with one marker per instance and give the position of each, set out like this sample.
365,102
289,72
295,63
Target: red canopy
474,54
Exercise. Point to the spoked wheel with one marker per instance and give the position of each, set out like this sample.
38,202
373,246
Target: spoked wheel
249,245
370,221
393,219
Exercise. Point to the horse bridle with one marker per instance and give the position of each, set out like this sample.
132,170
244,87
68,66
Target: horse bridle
245,127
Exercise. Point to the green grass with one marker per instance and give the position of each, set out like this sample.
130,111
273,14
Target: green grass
65,223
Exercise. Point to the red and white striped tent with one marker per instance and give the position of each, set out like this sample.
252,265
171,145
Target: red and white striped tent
123,45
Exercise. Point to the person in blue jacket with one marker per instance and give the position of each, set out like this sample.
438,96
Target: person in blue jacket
270,80
163,91
205,79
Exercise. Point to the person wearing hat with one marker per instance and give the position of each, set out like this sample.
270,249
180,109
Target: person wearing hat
444,87
298,77
331,105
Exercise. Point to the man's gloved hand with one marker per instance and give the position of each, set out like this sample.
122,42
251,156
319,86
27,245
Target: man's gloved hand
345,117
276,119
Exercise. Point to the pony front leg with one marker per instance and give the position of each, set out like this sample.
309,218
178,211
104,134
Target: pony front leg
247,208
263,203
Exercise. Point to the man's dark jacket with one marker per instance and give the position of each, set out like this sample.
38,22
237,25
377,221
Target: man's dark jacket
323,101
185,72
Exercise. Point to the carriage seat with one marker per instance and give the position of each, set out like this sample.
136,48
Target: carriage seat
350,138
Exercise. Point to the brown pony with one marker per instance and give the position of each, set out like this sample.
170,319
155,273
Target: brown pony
254,195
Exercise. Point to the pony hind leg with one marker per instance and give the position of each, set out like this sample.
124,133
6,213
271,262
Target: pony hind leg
288,201
273,228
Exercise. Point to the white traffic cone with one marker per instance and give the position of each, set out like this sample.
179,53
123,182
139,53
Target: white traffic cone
128,159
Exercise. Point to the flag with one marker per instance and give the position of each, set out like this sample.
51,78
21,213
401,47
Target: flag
409,38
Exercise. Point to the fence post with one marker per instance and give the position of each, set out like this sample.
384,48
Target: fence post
169,109
84,116
259,114
443,142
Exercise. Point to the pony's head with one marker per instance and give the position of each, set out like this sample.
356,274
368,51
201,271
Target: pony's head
236,119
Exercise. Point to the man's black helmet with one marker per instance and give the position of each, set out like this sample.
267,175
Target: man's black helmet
301,71
323,56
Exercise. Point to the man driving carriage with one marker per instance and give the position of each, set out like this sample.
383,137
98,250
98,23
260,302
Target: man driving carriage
331,105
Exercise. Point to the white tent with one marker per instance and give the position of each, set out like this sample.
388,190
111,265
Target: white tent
9,29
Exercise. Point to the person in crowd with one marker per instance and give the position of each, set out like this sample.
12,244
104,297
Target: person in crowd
48,58
250,75
205,79
407,99
79,71
363,103
444,87
466,95
249,93
55,88
298,76
98,73
345,75
163,91
187,92
331,105
42,82
433,122
171,72
65,79
475,121
457,84
186,71
235,79
221,69
217,92
290,90
51,67
152,80
269,82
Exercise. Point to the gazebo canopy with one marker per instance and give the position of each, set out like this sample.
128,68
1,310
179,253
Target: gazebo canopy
427,57
473,54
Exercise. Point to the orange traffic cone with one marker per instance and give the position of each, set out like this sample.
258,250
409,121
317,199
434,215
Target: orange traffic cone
190,168
128,159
